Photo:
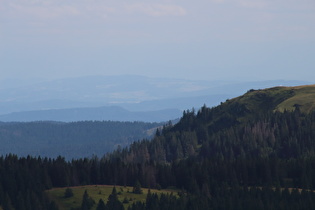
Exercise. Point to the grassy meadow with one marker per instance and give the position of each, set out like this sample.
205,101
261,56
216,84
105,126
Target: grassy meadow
304,96
97,192
279,98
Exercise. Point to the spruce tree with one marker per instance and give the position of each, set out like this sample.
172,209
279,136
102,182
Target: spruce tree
113,203
137,188
87,202
101,205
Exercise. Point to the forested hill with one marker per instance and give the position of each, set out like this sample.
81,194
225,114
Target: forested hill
274,122
70,140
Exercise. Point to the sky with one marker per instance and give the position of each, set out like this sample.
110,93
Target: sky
201,39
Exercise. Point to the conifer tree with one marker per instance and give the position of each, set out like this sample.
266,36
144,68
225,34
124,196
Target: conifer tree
137,188
87,202
113,203
101,205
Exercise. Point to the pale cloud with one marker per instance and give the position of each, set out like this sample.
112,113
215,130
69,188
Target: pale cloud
50,9
102,11
244,3
253,3
42,10
272,4
218,1
157,10
233,19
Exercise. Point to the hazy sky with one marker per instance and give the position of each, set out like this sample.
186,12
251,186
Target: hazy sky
200,39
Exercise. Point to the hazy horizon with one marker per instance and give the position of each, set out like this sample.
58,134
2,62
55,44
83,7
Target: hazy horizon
24,81
241,40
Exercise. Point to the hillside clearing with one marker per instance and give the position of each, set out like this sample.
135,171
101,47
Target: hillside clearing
97,192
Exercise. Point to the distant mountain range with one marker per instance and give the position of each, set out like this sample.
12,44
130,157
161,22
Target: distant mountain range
112,113
126,97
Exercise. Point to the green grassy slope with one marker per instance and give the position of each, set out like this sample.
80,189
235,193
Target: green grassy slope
97,192
254,104
304,97
277,99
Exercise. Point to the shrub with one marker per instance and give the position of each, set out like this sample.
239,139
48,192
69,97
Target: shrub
68,193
